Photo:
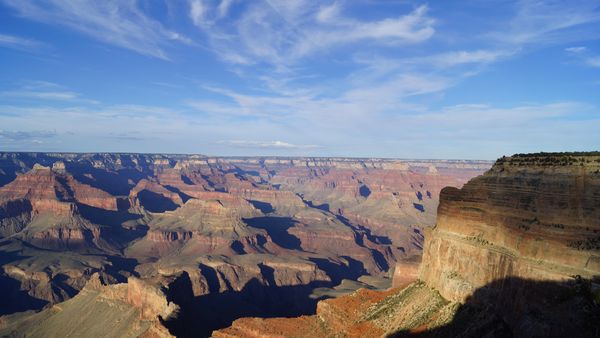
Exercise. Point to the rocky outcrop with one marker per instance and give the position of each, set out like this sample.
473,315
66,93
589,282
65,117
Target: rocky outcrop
50,190
342,316
132,309
235,274
534,217
154,197
43,205
406,272
150,300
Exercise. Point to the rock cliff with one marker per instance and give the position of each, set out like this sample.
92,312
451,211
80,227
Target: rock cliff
534,217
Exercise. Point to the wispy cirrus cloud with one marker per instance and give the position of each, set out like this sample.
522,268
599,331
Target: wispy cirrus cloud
480,56
282,32
16,139
359,100
593,61
20,43
543,22
576,49
43,90
266,144
20,135
583,54
450,131
120,23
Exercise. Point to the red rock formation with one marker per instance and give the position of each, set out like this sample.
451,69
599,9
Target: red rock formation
406,272
535,217
154,188
51,191
149,299
389,198
135,309
335,317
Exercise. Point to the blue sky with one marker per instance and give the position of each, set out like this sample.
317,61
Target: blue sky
368,78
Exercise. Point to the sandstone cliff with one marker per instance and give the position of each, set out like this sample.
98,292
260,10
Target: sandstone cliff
535,217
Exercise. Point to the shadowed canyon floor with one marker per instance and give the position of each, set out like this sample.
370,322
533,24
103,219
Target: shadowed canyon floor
186,244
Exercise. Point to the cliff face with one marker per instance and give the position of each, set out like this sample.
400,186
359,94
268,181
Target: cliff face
533,217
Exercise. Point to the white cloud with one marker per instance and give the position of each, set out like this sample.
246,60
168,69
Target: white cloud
583,54
328,13
26,135
59,96
120,23
223,8
542,22
266,144
287,105
593,61
43,90
468,130
16,42
576,50
450,59
197,12
283,32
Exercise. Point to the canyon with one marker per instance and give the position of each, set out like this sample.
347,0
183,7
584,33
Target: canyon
277,247
514,253
186,244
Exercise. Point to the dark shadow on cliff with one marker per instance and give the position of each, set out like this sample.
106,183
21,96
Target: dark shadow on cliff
277,228
154,202
264,207
515,307
337,272
362,230
121,267
14,299
113,231
364,191
117,183
10,256
184,197
201,315
310,204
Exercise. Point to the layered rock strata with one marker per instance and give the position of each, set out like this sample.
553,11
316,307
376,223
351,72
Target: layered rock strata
531,216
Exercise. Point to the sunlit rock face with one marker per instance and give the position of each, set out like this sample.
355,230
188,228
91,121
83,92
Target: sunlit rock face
534,217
